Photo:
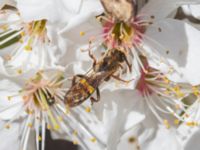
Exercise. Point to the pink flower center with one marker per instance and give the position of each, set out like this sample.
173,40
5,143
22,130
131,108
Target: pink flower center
142,84
122,34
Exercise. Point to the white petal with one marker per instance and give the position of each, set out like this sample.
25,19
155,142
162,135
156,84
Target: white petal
48,9
9,107
148,139
89,9
119,110
189,135
165,139
192,143
52,10
180,45
12,136
162,9
192,10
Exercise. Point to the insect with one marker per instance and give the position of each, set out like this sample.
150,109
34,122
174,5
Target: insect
121,10
102,70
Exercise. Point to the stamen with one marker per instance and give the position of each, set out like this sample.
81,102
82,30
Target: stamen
164,96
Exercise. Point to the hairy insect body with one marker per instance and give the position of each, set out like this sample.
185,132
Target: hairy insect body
105,68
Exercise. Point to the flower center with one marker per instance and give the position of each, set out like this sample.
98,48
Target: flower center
36,29
164,96
13,30
121,33
142,84
42,92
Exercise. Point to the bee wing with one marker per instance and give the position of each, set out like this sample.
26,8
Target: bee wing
122,10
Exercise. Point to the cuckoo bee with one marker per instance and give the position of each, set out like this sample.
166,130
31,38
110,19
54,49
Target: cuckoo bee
83,86
121,10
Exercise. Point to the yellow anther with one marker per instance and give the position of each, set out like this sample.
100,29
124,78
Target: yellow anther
39,138
191,124
49,127
176,88
132,139
22,33
19,71
60,118
195,91
29,111
82,33
176,122
67,110
21,40
28,48
30,125
93,140
88,109
4,27
98,18
7,126
167,91
56,127
166,80
178,92
75,142
166,123
9,98
75,133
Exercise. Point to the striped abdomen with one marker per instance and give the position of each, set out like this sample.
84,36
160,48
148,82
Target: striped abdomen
79,92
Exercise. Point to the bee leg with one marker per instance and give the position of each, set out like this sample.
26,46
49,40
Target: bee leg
92,57
92,99
77,76
128,64
121,66
98,94
122,80
107,79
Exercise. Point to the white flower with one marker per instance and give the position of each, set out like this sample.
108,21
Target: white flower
25,46
38,104
36,98
150,34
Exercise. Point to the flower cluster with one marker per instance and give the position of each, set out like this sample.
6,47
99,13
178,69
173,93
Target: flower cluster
105,75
